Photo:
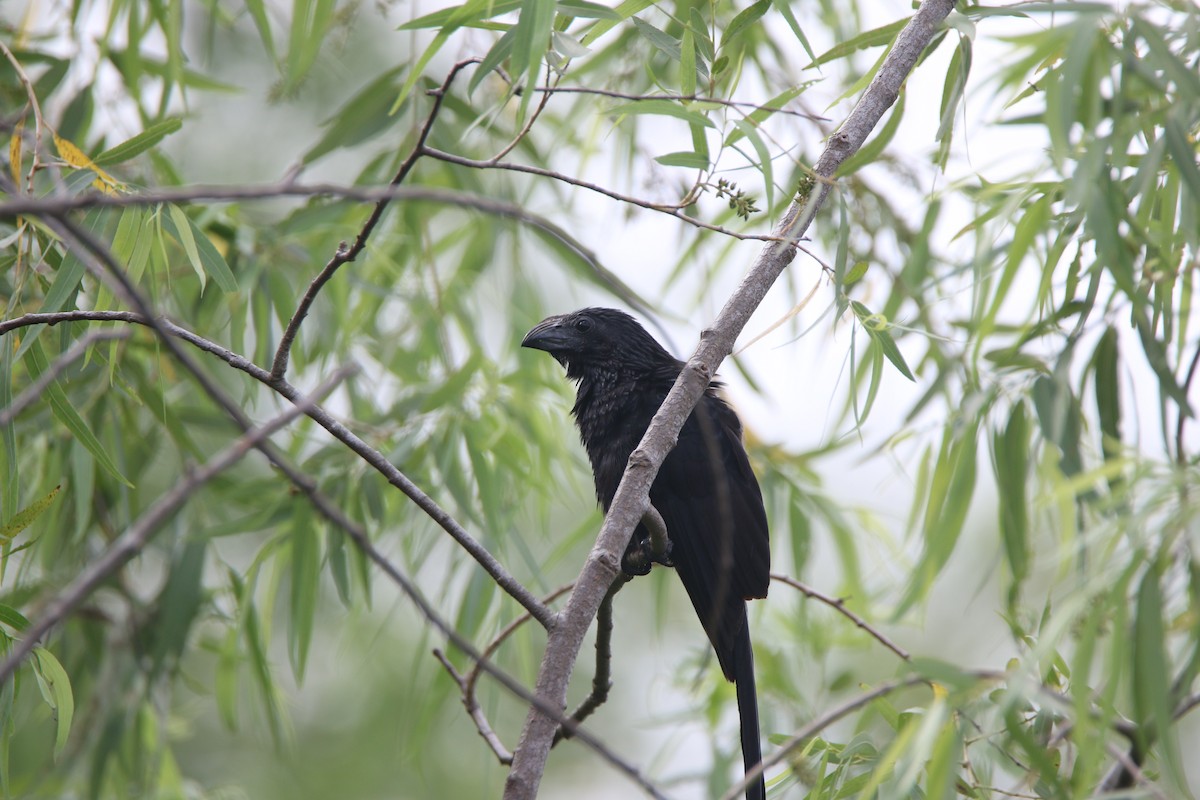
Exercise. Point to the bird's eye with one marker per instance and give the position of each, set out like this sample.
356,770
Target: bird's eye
583,324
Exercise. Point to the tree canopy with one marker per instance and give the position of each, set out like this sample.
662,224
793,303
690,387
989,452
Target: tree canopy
267,438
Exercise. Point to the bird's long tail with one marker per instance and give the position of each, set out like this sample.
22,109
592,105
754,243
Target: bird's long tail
747,700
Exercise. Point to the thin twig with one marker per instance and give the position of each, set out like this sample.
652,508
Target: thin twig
37,111
683,98
468,683
602,678
839,604
475,711
664,208
1180,455
138,535
816,726
344,253
56,368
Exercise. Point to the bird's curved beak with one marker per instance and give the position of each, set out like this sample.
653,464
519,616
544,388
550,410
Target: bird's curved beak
548,335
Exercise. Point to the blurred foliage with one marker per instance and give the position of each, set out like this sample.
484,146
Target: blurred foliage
1043,310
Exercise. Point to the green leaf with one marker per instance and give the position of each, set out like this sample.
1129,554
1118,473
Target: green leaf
56,691
687,63
305,587
665,108
664,42
586,10
1151,675
361,117
179,602
1105,366
499,51
25,517
683,159
13,618
744,19
784,7
1183,153
1011,451
204,257
875,37
877,328
764,158
258,13
768,109
140,143
530,44
66,414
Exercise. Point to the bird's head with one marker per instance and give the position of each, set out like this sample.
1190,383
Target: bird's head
593,338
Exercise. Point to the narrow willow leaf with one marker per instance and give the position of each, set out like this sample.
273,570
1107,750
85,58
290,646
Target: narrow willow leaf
530,44
586,10
784,7
1105,367
1151,674
179,602
764,158
66,414
875,37
362,116
1011,449
69,152
467,15
56,690
743,20
14,151
665,108
683,159
202,254
139,144
768,109
25,517
13,618
877,328
624,11
305,587
662,41
687,63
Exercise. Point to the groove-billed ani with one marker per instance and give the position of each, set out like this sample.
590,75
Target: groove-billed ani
705,490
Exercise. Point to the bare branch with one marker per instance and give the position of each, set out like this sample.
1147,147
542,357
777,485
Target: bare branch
838,604
346,253
685,98
664,208
632,496
138,535
73,354
475,711
602,678
467,683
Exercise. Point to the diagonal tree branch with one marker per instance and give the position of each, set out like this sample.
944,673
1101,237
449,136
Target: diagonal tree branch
603,563
135,539
318,414
346,254
73,354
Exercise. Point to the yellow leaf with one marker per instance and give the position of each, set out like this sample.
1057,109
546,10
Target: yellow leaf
14,151
71,154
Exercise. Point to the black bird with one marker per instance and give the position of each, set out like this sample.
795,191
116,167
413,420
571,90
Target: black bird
705,491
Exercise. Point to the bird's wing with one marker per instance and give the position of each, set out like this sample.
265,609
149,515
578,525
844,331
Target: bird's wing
710,500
